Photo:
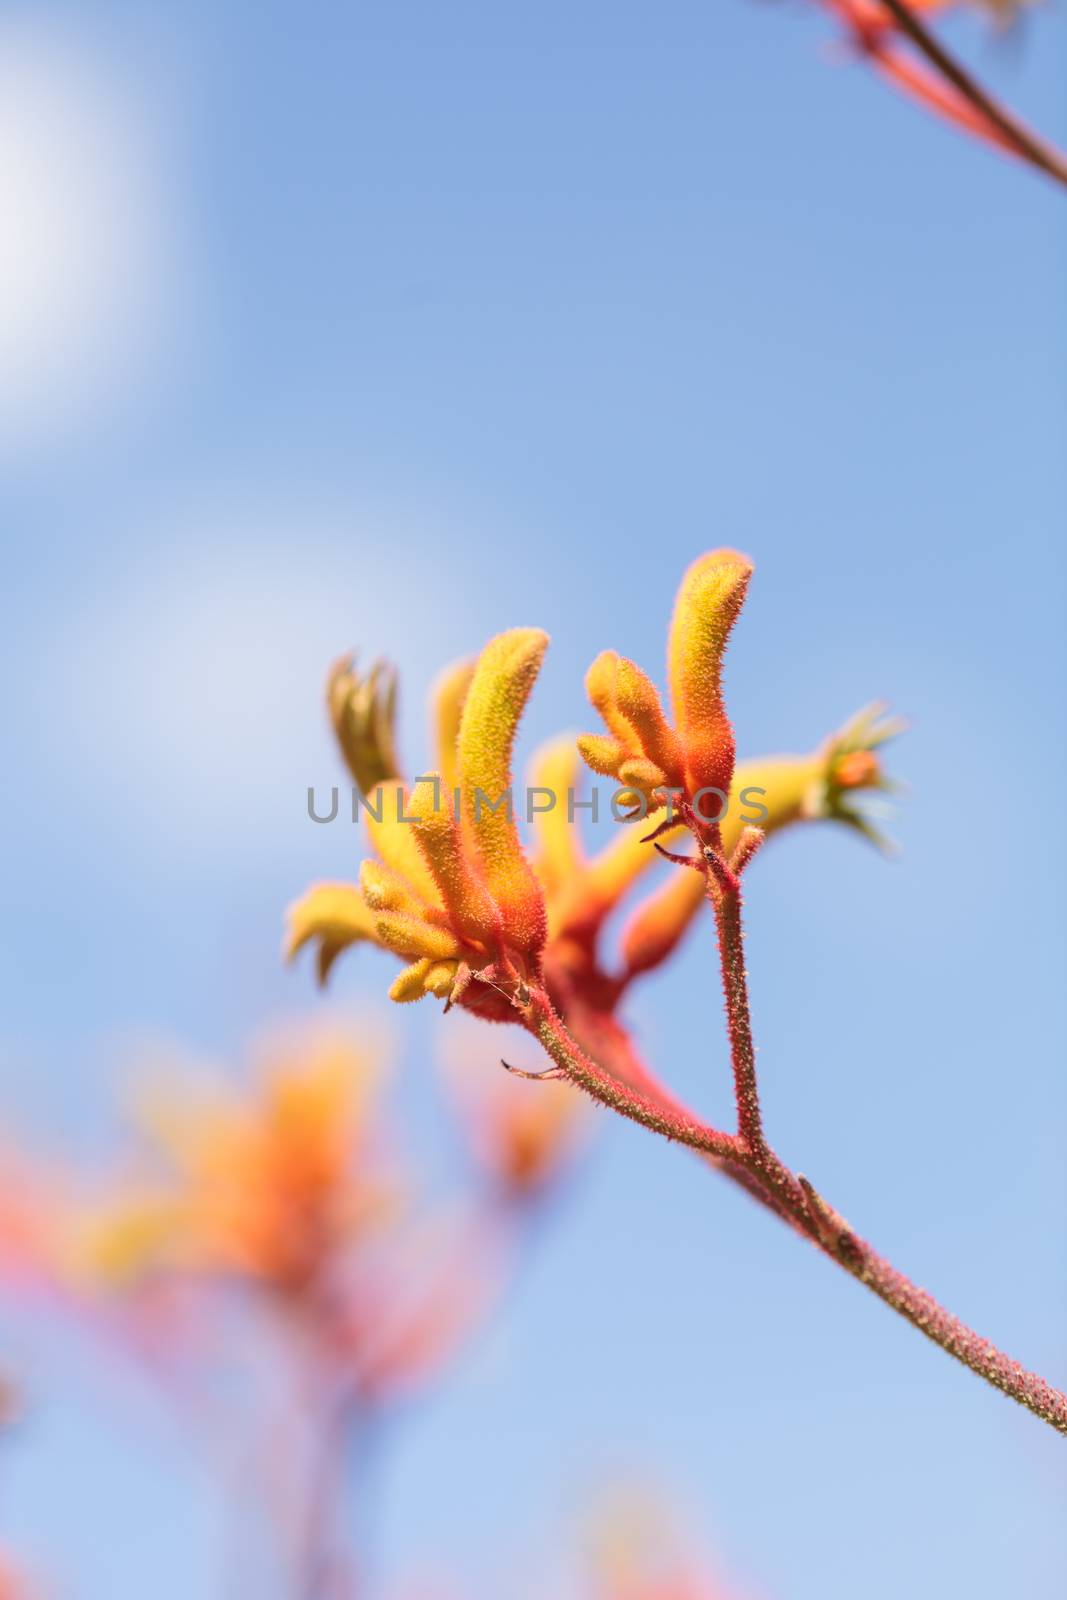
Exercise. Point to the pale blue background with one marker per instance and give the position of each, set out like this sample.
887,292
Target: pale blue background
498,315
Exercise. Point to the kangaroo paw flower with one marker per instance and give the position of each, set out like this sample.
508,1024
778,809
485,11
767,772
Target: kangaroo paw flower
641,749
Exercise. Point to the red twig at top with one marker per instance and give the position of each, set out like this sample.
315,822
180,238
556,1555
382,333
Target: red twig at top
944,86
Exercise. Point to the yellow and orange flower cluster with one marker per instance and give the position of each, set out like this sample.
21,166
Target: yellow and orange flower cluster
450,889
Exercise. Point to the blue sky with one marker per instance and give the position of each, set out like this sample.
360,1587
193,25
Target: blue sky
394,327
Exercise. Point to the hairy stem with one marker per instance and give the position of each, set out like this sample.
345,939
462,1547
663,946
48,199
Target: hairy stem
954,1336
725,897
761,1171
660,1116
603,1037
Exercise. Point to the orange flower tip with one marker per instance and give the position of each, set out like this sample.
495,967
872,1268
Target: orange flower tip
860,769
850,766
363,713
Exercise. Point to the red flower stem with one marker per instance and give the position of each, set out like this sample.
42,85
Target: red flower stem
724,892
1014,132
760,1170
946,1330
602,1036
542,1019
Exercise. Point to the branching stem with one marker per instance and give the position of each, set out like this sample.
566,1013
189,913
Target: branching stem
747,1158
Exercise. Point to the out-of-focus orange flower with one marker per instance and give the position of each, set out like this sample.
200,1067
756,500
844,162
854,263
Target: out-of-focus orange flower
33,1218
13,1584
268,1188
638,1554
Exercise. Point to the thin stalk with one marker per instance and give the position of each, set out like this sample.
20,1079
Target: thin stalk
1014,132
603,1037
724,893
795,1200
542,1019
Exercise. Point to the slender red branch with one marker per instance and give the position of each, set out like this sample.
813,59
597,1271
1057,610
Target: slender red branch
833,1234
602,1036
724,892
953,1336
542,1019
755,1166
1017,135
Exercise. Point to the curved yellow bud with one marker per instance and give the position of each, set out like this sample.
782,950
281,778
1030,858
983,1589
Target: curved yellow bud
504,675
707,606
333,913
602,753
412,938
644,776
423,977
410,984
440,978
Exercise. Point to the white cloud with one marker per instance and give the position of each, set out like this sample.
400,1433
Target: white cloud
87,249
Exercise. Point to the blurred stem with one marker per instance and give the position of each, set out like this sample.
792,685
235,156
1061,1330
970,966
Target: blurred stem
1015,133
325,1568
